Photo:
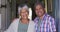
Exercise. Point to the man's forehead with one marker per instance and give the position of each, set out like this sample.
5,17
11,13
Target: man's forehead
38,6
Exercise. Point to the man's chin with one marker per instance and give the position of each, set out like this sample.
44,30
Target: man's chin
40,15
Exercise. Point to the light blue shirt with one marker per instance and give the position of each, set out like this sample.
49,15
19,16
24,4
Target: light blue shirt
22,27
39,23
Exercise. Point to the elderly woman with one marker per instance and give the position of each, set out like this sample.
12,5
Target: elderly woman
22,24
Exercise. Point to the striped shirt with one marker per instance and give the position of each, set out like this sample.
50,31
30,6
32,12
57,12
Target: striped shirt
47,24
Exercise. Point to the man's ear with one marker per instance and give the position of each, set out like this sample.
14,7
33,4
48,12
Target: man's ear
45,10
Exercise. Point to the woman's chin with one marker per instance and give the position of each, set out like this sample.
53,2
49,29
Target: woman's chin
24,18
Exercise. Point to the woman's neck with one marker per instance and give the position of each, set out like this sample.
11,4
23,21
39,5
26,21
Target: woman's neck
24,21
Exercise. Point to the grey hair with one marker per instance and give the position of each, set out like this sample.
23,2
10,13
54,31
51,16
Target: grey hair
25,7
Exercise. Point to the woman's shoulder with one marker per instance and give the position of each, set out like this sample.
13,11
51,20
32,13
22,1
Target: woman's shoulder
15,20
32,21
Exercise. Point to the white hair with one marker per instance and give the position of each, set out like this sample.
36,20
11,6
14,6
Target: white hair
24,7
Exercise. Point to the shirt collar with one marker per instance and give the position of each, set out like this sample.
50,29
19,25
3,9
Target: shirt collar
44,17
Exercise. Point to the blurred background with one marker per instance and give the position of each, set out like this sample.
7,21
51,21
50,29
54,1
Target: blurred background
9,11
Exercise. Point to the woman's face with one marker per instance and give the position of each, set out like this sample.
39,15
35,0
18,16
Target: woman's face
24,14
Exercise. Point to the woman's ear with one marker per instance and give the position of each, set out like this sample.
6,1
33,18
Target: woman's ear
19,17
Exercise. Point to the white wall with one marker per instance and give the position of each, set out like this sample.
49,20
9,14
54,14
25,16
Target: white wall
5,15
0,21
0,3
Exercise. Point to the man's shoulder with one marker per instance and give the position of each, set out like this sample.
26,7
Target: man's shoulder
49,16
35,18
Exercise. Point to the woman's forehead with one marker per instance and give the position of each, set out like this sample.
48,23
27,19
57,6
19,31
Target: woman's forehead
23,11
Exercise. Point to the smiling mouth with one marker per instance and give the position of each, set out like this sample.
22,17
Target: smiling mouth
39,12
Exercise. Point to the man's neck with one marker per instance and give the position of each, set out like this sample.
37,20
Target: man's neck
41,17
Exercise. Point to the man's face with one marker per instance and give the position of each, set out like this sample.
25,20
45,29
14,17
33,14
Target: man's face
39,10
24,14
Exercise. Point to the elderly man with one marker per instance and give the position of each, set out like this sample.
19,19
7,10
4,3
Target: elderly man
44,22
22,24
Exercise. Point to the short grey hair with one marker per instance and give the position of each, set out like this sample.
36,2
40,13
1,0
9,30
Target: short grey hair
23,7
